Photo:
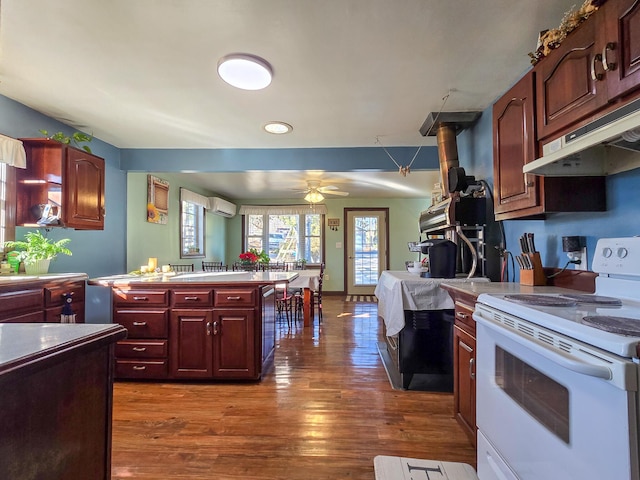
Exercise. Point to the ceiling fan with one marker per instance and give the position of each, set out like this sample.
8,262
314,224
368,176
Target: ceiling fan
315,193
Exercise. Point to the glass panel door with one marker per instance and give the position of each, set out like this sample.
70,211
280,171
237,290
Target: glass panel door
366,250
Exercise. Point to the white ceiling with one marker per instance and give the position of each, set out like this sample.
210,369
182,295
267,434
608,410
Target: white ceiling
141,73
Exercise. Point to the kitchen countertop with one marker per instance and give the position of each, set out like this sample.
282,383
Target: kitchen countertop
476,288
23,278
193,278
22,343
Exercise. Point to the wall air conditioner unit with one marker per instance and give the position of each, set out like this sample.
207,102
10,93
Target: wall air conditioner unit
221,207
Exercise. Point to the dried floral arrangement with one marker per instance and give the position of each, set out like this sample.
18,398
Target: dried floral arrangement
551,39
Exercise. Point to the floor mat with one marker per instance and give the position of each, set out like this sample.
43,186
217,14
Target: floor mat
422,382
361,298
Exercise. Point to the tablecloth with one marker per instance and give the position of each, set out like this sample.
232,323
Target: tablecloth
398,291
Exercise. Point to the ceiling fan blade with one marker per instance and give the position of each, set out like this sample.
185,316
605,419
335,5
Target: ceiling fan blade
338,193
326,188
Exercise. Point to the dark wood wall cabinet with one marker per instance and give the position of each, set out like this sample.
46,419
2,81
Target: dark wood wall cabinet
199,332
595,70
41,300
70,181
520,195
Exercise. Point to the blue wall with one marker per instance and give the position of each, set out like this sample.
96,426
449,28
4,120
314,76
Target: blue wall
475,149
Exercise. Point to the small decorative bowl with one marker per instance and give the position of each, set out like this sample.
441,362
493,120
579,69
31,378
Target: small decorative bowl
416,270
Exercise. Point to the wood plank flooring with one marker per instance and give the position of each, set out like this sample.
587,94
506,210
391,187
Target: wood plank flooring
323,411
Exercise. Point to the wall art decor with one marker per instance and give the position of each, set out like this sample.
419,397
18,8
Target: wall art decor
157,200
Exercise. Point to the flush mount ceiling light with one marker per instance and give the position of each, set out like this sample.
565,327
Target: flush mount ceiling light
245,71
314,197
277,128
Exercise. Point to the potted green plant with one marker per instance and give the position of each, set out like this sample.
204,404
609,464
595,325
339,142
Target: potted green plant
77,138
37,251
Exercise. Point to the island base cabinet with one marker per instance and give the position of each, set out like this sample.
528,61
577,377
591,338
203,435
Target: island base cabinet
191,343
56,422
218,344
234,352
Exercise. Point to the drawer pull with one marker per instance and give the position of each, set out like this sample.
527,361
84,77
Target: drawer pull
140,299
462,315
209,328
472,373
139,367
606,64
215,328
234,298
596,77
194,299
139,349
139,324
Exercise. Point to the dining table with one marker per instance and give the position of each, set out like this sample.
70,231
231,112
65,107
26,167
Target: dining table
308,281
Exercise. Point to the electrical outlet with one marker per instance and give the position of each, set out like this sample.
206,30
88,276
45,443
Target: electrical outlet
326,276
582,256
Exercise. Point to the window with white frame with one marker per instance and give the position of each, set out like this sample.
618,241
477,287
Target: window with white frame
285,234
192,217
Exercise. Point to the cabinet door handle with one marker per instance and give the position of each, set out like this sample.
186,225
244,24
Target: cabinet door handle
193,299
215,328
140,299
608,66
209,328
233,298
596,77
462,315
139,349
139,324
139,367
472,373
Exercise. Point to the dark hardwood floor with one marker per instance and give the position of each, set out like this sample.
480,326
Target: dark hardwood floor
323,411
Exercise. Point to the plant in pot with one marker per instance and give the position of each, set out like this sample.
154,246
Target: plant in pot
37,251
77,138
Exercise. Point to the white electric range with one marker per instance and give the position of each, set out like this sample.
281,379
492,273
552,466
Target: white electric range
557,377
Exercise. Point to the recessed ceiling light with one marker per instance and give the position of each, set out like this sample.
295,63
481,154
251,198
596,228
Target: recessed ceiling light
245,71
278,128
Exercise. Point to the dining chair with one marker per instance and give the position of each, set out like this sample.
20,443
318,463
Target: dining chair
297,265
275,267
181,267
317,295
214,267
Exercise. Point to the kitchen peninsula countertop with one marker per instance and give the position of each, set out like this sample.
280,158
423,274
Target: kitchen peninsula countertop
474,289
195,278
21,278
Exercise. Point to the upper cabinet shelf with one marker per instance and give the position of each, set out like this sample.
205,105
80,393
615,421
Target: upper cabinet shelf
63,180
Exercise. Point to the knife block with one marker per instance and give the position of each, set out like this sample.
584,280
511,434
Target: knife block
535,276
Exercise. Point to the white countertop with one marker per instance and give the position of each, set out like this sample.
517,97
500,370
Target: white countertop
177,279
398,291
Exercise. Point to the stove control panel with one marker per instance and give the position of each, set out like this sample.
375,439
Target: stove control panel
617,256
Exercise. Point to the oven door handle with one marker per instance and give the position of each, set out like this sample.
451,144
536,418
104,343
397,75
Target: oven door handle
563,359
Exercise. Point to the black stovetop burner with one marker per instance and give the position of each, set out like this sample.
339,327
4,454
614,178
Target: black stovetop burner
620,325
590,299
542,300
565,300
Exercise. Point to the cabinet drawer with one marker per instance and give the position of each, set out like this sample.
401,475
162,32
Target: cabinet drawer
19,301
234,298
32,317
144,323
53,296
142,349
140,297
192,298
464,318
150,369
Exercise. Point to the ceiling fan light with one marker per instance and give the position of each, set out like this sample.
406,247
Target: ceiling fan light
245,71
314,197
278,128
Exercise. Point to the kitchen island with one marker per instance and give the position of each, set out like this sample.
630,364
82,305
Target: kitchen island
195,326
56,403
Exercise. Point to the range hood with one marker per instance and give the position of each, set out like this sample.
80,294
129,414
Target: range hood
608,145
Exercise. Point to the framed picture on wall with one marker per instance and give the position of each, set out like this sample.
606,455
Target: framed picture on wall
157,200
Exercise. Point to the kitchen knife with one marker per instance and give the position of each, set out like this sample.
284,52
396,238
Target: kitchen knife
520,262
530,243
523,244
